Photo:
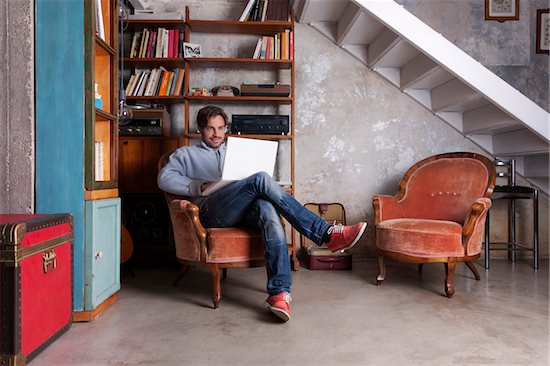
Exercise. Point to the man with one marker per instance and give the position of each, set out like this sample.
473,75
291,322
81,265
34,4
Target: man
255,201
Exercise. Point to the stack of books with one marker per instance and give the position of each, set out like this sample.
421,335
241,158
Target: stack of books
265,10
277,47
160,43
156,82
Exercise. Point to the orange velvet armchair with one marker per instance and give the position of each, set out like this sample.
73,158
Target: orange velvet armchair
216,248
438,214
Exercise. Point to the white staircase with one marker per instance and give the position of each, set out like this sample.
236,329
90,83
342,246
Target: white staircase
458,89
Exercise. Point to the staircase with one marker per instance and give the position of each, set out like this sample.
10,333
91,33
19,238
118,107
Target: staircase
444,79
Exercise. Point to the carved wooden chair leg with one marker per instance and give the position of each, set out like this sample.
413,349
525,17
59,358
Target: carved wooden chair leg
183,270
224,273
381,270
449,272
217,294
420,267
473,268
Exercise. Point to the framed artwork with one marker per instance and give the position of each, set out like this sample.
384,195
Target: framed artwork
191,50
501,10
543,31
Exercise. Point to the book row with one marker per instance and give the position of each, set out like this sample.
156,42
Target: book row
160,43
278,47
265,10
155,82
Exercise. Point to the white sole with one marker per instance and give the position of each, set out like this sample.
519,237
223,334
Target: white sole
357,237
280,313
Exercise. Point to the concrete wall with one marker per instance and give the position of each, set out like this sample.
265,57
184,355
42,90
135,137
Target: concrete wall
356,134
17,106
507,48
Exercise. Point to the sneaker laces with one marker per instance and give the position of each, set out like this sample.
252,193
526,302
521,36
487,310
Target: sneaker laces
336,228
287,297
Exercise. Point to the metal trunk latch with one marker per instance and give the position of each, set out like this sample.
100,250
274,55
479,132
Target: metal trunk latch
49,261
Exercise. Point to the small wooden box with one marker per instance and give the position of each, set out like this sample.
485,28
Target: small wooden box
320,257
36,268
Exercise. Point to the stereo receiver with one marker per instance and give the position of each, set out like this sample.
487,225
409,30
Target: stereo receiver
147,122
260,124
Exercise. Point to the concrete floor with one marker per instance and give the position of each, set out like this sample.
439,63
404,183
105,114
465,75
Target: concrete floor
339,318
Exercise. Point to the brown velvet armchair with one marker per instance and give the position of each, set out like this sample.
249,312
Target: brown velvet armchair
216,248
438,214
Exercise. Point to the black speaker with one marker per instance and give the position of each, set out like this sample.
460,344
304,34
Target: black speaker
147,219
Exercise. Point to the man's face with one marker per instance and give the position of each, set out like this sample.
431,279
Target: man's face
214,132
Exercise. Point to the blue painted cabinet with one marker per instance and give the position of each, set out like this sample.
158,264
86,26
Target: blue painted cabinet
103,270
77,136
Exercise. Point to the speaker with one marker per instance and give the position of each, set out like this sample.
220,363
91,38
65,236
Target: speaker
147,219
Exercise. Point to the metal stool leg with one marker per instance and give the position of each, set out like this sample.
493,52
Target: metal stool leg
487,243
512,236
536,229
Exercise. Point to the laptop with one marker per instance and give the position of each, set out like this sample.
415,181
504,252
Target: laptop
244,157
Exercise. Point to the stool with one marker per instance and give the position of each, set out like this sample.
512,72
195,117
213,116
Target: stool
513,192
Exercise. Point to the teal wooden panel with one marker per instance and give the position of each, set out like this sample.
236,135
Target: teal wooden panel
102,250
59,78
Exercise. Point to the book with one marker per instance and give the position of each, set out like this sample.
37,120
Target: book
164,83
137,35
165,44
264,10
171,15
179,82
291,45
151,46
176,42
99,20
99,160
170,43
263,52
149,87
129,86
246,10
143,45
258,49
169,84
173,84
158,48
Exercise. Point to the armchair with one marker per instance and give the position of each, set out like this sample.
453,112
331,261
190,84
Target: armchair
215,248
438,214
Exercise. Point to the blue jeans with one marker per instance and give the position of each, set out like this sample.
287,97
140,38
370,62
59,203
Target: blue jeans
257,201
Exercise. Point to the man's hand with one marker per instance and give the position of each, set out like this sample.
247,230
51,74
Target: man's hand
205,185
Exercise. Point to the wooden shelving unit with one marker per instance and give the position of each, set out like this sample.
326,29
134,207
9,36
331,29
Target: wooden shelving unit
77,140
250,65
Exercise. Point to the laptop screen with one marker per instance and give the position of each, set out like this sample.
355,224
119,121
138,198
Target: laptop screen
245,156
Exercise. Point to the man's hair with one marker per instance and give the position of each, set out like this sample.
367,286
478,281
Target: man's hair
204,114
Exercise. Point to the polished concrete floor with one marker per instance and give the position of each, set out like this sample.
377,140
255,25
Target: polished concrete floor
339,318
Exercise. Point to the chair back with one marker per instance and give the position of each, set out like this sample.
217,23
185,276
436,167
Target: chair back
444,187
185,239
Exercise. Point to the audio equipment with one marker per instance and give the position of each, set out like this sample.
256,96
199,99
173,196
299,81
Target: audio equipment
260,124
147,219
147,122
265,90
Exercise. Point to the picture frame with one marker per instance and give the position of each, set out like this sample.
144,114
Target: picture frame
191,50
543,31
501,10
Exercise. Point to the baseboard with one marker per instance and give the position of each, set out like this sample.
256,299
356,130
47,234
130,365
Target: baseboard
86,316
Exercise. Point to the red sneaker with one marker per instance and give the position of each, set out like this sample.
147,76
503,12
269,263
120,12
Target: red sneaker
344,237
279,305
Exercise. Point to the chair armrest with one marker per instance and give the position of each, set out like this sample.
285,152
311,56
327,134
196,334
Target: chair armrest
474,224
386,207
190,211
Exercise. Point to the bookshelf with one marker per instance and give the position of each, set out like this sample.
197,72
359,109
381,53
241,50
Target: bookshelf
145,213
77,139
223,66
